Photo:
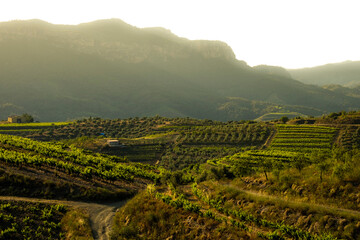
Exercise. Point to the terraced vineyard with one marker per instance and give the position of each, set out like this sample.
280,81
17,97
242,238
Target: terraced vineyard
303,138
252,161
233,133
292,146
350,137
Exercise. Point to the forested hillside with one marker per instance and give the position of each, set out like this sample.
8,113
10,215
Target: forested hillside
111,69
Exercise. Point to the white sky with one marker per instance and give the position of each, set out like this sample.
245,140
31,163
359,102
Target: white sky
288,33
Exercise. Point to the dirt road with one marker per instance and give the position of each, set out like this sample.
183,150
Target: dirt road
101,215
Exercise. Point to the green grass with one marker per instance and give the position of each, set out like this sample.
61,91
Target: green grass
43,124
19,130
274,116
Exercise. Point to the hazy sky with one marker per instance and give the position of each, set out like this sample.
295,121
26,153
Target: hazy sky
288,33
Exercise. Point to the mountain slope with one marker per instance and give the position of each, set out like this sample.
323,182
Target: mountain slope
110,69
344,73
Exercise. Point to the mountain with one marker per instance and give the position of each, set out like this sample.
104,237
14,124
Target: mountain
111,69
344,73
273,70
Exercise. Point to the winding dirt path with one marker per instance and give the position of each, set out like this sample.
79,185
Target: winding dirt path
101,215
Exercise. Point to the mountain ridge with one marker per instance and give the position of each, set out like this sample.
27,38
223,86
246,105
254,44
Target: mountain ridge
344,73
111,69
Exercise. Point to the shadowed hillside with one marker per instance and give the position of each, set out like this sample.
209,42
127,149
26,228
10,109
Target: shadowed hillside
110,69
345,73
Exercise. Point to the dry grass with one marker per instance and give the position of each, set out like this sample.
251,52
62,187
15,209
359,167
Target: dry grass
145,217
76,225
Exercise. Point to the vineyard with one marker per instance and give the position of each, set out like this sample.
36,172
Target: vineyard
72,161
232,134
175,143
292,146
350,137
250,222
117,128
20,220
209,175
180,157
258,212
252,161
94,175
221,209
303,138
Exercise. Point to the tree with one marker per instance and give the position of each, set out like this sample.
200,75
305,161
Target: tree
266,166
284,119
321,160
27,117
322,166
299,162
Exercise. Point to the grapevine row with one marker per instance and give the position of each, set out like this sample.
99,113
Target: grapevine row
291,231
92,164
